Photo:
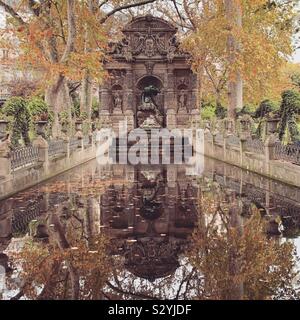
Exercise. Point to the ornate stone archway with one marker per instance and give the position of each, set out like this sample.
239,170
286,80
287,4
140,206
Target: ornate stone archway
151,108
150,54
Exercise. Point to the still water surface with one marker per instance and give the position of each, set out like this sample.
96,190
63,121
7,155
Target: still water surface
151,232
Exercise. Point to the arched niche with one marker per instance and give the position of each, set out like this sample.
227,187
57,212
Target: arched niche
147,81
117,98
141,84
183,94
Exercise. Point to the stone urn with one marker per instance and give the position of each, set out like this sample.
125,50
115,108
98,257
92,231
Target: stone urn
64,127
40,128
228,125
272,125
3,129
78,125
245,127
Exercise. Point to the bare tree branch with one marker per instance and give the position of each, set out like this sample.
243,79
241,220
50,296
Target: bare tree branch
10,10
34,7
124,7
71,31
102,3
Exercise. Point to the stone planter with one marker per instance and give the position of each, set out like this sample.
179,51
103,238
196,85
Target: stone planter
3,128
228,125
40,128
272,125
245,127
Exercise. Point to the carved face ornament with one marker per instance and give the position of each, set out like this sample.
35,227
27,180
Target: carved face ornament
149,47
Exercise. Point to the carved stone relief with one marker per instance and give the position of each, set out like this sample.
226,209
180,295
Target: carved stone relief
182,101
150,51
118,101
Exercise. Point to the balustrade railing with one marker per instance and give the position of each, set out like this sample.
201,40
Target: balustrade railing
56,148
255,146
75,143
23,157
23,216
233,141
219,139
290,153
86,141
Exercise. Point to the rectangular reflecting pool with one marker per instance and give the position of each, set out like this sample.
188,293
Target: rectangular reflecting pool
119,232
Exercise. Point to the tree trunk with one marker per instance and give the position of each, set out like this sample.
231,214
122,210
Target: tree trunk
86,99
236,290
235,87
58,98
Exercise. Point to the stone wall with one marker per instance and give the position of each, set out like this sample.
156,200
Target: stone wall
262,159
44,167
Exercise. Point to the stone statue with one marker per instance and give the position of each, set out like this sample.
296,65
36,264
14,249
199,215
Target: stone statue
118,101
150,123
182,101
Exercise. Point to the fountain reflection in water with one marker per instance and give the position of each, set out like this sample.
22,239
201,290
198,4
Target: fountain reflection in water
128,231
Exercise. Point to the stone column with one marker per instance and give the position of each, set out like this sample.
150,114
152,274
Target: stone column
5,220
195,118
104,98
128,93
104,105
194,103
214,134
171,119
270,142
5,160
208,143
67,150
42,145
170,93
129,100
270,145
243,141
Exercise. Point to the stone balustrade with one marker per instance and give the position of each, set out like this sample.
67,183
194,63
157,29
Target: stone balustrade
24,167
269,158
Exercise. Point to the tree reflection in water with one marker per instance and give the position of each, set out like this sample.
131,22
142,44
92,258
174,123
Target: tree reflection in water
157,235
236,257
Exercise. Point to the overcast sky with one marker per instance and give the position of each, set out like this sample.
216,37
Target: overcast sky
296,57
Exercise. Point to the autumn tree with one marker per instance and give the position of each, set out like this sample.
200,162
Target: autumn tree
66,40
238,260
238,47
62,260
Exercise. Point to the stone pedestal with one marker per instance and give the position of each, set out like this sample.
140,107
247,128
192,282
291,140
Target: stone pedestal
117,111
129,117
43,148
105,119
78,128
195,119
270,145
5,161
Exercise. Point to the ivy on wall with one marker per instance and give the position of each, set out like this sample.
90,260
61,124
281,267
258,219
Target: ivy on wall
16,109
290,108
22,114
